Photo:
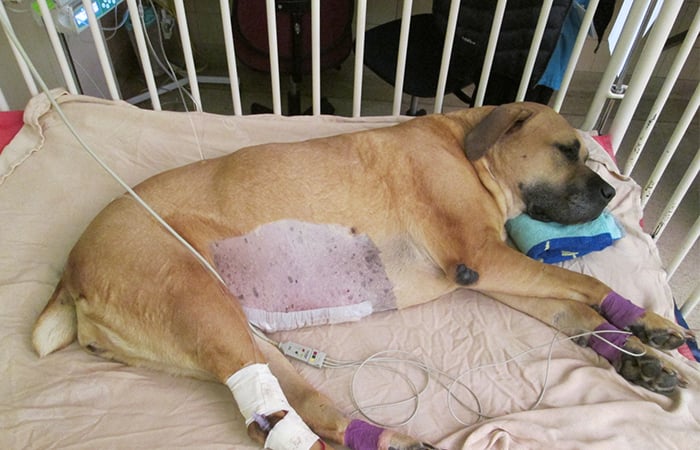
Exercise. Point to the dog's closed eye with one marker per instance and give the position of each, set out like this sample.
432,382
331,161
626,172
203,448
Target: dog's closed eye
570,150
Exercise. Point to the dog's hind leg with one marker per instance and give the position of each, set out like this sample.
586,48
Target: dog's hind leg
326,420
198,328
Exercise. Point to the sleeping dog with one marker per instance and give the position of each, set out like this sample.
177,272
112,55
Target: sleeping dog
420,205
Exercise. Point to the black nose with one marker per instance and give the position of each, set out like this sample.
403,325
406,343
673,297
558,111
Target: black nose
607,191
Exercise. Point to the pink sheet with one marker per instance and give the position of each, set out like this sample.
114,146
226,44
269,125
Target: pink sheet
50,190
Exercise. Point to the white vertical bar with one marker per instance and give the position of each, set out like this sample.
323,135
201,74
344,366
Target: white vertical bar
187,52
490,52
57,47
3,101
274,56
143,53
683,186
360,20
575,54
534,49
663,94
26,74
231,57
446,54
642,72
624,44
99,41
672,145
316,56
401,59
691,302
686,245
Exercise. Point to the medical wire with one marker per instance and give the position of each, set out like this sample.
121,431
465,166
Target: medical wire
373,361
35,73
171,72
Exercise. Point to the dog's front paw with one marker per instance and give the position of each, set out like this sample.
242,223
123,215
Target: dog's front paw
648,371
651,328
659,332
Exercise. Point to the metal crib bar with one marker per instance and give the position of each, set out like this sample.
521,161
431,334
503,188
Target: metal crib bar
57,47
401,59
231,56
143,54
97,37
3,102
26,74
683,186
534,48
671,146
642,72
663,94
274,56
686,245
575,54
361,22
316,56
187,52
446,54
624,44
691,302
490,52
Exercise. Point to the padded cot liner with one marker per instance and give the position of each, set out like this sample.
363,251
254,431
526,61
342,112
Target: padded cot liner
50,189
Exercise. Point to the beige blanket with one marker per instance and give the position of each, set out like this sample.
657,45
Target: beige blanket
49,191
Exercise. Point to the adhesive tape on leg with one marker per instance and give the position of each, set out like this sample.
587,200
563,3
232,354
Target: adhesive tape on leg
257,391
290,433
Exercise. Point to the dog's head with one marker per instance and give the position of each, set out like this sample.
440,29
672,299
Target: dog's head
538,157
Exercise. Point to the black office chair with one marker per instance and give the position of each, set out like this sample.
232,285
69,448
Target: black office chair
248,18
424,54
425,46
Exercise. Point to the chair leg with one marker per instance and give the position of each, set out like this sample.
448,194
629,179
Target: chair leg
413,109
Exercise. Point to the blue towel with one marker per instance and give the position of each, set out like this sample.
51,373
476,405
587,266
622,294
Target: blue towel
552,242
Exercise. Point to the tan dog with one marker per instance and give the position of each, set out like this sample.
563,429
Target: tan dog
431,194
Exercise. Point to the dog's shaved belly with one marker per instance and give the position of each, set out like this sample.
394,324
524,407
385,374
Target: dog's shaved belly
290,274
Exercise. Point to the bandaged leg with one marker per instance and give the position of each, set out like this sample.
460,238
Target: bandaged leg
258,394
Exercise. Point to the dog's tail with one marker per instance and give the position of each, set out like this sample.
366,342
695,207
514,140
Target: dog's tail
56,326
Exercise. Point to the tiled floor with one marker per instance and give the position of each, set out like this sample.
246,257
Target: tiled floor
377,98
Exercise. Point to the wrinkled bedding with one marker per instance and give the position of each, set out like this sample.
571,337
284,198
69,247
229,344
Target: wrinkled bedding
50,189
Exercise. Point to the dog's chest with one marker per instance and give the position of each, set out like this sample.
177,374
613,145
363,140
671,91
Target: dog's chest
290,274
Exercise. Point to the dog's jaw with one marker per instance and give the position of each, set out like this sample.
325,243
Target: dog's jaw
509,204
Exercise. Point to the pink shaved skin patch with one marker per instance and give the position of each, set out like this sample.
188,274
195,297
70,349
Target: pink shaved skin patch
619,311
290,274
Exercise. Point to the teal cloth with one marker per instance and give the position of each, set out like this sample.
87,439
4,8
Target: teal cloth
553,242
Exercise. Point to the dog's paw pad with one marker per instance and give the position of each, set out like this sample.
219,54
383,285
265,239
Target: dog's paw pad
664,338
649,372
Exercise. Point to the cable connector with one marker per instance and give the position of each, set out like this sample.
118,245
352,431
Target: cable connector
310,356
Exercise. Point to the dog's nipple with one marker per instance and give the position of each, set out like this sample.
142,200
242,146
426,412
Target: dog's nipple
466,276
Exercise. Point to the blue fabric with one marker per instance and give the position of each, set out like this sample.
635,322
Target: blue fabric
554,73
552,242
692,343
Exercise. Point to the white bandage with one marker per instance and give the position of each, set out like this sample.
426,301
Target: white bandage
290,433
258,393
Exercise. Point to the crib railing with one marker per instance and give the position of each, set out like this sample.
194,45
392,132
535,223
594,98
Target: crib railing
610,90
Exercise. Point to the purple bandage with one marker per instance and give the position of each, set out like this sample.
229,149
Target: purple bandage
619,311
361,435
603,348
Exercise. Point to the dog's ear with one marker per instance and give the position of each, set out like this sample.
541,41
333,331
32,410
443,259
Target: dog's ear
501,121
